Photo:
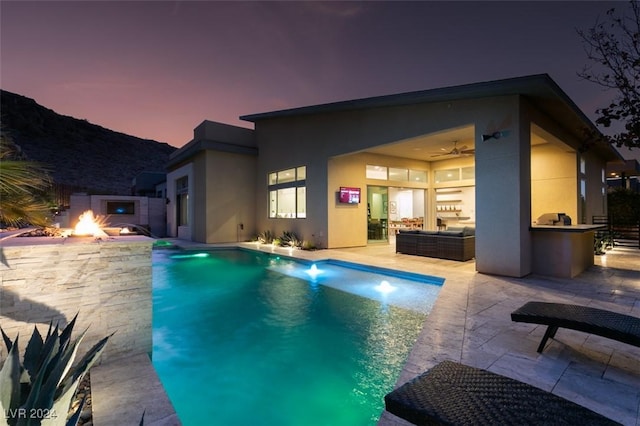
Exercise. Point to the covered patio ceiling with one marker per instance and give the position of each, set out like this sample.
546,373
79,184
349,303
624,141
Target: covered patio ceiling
437,146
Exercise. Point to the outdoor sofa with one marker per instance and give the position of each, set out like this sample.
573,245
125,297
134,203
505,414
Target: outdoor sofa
456,243
456,394
612,325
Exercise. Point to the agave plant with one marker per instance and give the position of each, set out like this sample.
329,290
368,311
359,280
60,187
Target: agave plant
265,237
41,389
290,239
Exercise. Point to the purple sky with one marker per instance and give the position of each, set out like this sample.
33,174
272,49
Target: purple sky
157,69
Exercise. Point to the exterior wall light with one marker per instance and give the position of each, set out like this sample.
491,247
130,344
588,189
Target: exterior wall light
494,135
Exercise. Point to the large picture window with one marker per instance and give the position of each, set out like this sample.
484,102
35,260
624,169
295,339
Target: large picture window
288,193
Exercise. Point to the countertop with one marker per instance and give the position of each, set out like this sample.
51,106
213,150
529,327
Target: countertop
567,228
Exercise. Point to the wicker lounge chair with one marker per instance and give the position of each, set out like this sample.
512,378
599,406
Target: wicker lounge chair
612,325
456,394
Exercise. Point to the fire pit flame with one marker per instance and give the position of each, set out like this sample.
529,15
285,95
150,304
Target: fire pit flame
90,225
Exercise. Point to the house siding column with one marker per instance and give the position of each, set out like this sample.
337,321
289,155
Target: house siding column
503,192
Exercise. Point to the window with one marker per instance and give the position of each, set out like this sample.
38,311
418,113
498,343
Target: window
468,172
447,175
376,172
288,175
301,201
583,201
417,176
583,190
182,201
396,174
301,173
288,193
451,175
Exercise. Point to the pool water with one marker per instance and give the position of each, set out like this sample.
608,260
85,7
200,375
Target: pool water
247,338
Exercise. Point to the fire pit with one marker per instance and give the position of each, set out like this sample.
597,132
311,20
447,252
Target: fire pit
105,278
89,225
97,227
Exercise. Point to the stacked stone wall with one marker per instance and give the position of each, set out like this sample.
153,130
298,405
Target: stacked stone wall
106,282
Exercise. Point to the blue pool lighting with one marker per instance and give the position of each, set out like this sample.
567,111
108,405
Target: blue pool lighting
384,287
189,255
313,271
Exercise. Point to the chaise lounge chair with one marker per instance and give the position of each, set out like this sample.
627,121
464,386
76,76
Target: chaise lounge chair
455,394
612,325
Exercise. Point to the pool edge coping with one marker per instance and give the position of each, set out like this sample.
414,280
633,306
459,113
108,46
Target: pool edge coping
413,276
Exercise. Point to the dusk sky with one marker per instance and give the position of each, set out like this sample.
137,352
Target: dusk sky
157,69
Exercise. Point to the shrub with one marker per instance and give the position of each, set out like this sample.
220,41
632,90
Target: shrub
265,237
41,389
623,206
308,245
603,242
290,239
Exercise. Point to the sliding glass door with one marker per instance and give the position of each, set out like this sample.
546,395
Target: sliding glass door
377,213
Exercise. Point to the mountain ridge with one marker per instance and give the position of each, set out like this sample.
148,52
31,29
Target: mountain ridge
81,156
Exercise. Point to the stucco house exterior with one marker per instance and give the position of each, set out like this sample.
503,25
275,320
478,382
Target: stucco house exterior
211,185
495,155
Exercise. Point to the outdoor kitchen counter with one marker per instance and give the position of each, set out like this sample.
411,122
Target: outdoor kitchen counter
562,250
567,228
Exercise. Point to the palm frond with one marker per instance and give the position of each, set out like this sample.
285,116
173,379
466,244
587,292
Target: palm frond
21,208
22,176
22,188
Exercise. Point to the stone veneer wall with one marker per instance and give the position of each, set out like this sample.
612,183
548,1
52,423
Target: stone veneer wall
107,282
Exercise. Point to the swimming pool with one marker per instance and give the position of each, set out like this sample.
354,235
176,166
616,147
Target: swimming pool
248,338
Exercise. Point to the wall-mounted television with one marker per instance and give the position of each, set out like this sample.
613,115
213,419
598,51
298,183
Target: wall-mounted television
349,195
121,207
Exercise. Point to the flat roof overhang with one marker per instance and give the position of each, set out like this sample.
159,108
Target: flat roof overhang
196,146
539,89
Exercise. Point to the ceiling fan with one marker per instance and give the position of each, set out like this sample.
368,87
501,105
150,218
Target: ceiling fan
456,151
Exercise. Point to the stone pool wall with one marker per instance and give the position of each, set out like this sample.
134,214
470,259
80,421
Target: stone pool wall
107,282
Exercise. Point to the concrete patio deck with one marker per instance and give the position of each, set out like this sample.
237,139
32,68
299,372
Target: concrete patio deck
470,323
